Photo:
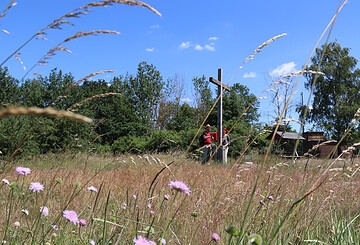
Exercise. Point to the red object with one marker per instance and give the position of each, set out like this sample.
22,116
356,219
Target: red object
214,136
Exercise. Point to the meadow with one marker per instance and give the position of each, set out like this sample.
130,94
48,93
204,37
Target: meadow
313,204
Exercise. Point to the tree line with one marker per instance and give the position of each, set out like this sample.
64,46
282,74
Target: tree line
132,113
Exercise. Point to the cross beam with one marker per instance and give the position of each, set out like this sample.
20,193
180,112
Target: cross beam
218,83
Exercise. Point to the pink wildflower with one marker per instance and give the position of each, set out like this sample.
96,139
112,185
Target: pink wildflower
92,188
152,212
71,216
17,224
134,196
55,228
162,241
82,222
44,211
149,205
36,186
143,241
23,171
166,197
25,211
180,186
5,181
215,237
92,242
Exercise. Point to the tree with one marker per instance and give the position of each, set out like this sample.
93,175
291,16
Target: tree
9,93
337,92
145,93
203,98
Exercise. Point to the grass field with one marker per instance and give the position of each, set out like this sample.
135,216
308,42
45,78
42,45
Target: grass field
219,198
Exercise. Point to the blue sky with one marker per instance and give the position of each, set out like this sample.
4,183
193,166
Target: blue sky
191,38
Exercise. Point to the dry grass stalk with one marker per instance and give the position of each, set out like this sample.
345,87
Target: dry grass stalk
93,130
11,4
93,97
57,23
263,46
101,135
18,58
35,111
131,3
94,74
93,33
303,72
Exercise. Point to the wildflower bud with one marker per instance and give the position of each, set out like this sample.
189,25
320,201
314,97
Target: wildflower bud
77,184
232,230
112,219
194,214
270,198
82,222
13,185
59,180
255,239
150,230
54,235
17,224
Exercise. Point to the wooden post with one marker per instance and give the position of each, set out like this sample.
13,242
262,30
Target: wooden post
219,117
221,87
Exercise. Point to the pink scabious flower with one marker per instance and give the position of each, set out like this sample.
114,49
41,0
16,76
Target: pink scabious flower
270,198
23,171
5,181
82,222
162,241
71,216
149,205
36,186
143,241
180,186
92,188
215,237
92,242
44,211
152,212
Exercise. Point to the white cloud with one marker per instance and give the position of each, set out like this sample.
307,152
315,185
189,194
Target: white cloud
154,26
198,47
150,49
184,45
186,100
213,38
210,47
283,69
249,75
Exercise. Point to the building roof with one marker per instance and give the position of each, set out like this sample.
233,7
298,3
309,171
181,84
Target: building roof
288,136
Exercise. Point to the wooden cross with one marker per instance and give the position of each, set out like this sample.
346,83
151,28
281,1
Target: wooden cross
221,87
